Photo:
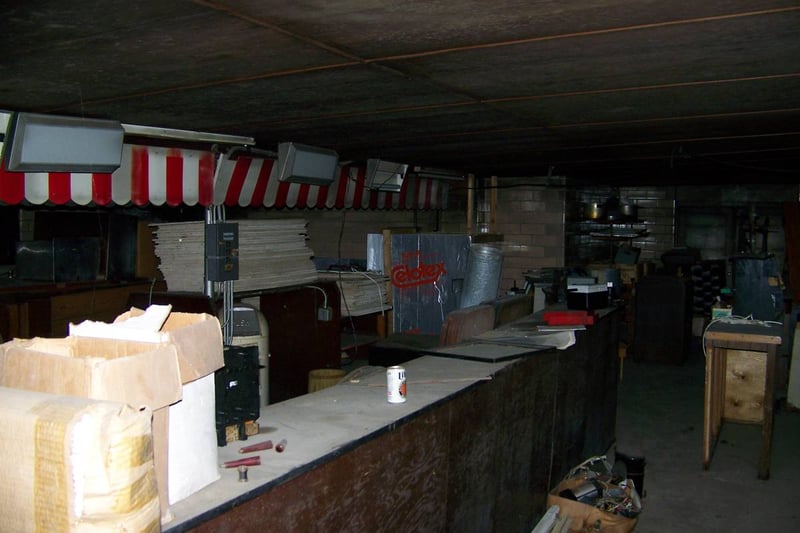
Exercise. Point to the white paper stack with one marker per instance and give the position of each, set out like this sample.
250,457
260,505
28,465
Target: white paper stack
272,253
361,292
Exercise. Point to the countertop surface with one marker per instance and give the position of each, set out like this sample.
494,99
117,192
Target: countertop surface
327,423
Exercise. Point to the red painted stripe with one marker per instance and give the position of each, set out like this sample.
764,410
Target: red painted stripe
238,176
322,196
358,196
58,187
302,195
140,169
404,192
280,194
174,178
12,186
427,204
205,179
101,188
373,200
260,190
341,193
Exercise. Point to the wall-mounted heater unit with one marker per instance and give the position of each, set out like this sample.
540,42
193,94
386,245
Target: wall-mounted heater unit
438,173
51,143
300,163
385,175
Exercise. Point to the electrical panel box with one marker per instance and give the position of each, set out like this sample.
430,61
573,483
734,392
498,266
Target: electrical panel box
222,251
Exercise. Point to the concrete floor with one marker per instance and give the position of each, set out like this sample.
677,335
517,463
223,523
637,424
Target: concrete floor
660,417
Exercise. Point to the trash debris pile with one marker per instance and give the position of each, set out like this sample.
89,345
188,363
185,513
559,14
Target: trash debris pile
595,482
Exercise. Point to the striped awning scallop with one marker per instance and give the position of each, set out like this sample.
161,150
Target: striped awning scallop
170,176
147,175
254,182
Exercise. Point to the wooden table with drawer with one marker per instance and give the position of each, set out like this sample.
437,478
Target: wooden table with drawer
752,336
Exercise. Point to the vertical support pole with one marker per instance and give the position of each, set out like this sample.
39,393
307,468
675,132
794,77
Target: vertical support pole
470,204
493,205
387,328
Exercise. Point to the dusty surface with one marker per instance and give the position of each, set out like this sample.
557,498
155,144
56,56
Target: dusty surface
660,417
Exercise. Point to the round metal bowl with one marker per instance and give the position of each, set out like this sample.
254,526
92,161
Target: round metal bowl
594,211
629,210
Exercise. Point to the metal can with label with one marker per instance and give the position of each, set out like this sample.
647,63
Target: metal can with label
396,384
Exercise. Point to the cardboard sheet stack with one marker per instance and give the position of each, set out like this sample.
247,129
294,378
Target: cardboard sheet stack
55,465
272,253
361,292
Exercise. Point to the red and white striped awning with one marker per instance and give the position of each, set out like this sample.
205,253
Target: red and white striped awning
158,176
147,175
254,182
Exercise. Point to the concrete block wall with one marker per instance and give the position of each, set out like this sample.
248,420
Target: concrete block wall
656,216
530,216
656,208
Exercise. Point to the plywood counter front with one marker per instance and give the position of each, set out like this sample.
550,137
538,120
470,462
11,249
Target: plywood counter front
475,448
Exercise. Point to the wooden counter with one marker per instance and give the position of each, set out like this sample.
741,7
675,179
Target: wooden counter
475,448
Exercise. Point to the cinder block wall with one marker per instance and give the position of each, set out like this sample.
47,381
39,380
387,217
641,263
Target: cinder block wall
657,213
530,216
656,216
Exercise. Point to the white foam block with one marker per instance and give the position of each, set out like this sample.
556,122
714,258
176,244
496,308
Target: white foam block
193,456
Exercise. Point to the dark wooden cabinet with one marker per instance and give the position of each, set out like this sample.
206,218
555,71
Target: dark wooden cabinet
298,340
663,319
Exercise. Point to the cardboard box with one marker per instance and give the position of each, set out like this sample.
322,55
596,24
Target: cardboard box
135,373
188,347
92,469
197,337
130,372
189,426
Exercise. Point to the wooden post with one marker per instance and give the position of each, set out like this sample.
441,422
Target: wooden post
385,328
493,205
470,204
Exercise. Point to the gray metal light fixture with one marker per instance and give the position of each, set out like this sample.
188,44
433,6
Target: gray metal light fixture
52,143
154,132
301,163
438,173
385,175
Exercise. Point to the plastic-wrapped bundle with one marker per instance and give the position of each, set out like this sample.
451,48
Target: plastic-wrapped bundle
484,269
75,464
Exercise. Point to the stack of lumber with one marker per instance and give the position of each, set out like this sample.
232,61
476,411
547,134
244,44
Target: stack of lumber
361,293
272,253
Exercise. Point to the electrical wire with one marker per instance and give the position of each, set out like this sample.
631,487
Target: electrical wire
324,294
735,319
378,285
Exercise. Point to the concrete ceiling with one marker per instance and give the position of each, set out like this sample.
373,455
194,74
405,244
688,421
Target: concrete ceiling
600,91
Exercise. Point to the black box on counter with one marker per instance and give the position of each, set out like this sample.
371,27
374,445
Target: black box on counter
587,297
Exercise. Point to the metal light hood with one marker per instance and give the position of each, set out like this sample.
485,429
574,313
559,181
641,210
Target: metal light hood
52,143
438,173
154,132
385,175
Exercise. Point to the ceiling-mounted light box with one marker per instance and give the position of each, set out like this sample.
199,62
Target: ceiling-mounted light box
438,173
385,175
52,143
301,163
